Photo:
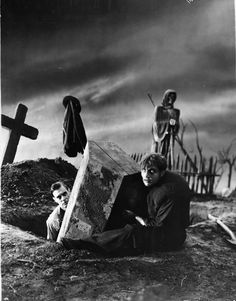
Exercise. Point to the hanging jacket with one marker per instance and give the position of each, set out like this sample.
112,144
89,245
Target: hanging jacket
74,137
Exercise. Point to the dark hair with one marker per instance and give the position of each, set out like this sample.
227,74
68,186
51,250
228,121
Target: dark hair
57,185
154,159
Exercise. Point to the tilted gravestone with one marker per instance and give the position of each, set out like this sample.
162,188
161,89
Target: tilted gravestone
18,128
98,180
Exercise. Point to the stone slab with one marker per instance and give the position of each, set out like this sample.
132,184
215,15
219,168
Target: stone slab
97,183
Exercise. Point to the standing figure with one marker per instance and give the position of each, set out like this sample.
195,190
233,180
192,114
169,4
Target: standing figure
165,125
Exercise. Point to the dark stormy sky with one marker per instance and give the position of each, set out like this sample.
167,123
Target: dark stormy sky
110,56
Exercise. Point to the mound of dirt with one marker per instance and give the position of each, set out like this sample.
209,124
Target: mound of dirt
26,199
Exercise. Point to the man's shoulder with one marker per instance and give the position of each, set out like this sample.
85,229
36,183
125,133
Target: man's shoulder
56,213
174,182
173,177
158,192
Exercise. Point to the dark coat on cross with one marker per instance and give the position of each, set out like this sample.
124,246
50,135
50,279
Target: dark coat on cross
74,137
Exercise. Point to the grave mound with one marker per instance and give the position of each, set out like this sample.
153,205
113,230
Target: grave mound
25,199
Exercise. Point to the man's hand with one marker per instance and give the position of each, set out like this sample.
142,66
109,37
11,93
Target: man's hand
140,220
128,216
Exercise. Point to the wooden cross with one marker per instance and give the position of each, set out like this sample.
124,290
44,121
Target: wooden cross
18,128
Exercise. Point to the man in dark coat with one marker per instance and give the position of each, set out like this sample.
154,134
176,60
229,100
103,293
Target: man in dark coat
163,229
168,203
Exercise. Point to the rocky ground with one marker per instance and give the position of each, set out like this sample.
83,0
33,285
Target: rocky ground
36,269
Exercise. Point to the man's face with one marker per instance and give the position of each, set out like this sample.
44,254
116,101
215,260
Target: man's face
151,175
61,197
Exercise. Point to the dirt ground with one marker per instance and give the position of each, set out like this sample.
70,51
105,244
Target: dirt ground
35,269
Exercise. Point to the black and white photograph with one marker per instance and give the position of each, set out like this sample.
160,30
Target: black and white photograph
118,150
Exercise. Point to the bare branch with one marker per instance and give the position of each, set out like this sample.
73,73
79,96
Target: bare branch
199,148
195,169
220,171
230,146
225,157
182,131
234,161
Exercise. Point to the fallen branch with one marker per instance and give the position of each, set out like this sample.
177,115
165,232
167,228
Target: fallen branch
14,291
181,284
30,261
